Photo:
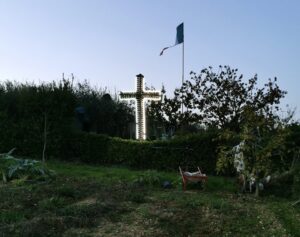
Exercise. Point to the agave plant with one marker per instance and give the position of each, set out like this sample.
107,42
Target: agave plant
14,168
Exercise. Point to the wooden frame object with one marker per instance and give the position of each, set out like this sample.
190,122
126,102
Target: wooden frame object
195,177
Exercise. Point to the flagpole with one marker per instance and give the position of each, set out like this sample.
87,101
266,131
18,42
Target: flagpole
182,75
179,40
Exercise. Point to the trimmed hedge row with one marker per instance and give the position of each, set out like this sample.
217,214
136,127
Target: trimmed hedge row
190,151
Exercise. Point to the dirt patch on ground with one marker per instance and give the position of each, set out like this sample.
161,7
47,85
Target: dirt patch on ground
86,201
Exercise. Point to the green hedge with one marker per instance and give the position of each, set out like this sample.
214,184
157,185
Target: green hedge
296,184
191,151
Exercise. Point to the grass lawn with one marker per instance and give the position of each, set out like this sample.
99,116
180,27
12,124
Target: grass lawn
88,200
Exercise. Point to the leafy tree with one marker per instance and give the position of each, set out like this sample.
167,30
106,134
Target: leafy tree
101,113
124,117
263,149
217,99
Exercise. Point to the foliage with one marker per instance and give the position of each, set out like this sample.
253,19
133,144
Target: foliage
23,109
296,185
293,144
149,177
282,185
194,150
25,169
217,100
98,112
38,119
263,149
293,152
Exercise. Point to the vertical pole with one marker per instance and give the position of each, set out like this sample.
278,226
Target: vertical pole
72,76
182,75
140,110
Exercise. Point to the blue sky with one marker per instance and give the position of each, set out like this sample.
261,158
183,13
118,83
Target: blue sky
108,42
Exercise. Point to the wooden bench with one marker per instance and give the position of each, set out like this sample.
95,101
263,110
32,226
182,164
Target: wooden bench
195,177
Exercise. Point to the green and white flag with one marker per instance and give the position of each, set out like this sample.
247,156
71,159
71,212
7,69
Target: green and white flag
179,38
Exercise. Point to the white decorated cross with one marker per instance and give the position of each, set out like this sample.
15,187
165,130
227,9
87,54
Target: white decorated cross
140,96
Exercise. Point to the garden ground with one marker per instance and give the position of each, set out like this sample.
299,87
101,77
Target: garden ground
88,200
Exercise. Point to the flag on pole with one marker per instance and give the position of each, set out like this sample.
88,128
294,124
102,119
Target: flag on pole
179,38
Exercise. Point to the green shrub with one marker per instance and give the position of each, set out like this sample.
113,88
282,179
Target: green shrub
13,168
296,184
149,177
190,151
